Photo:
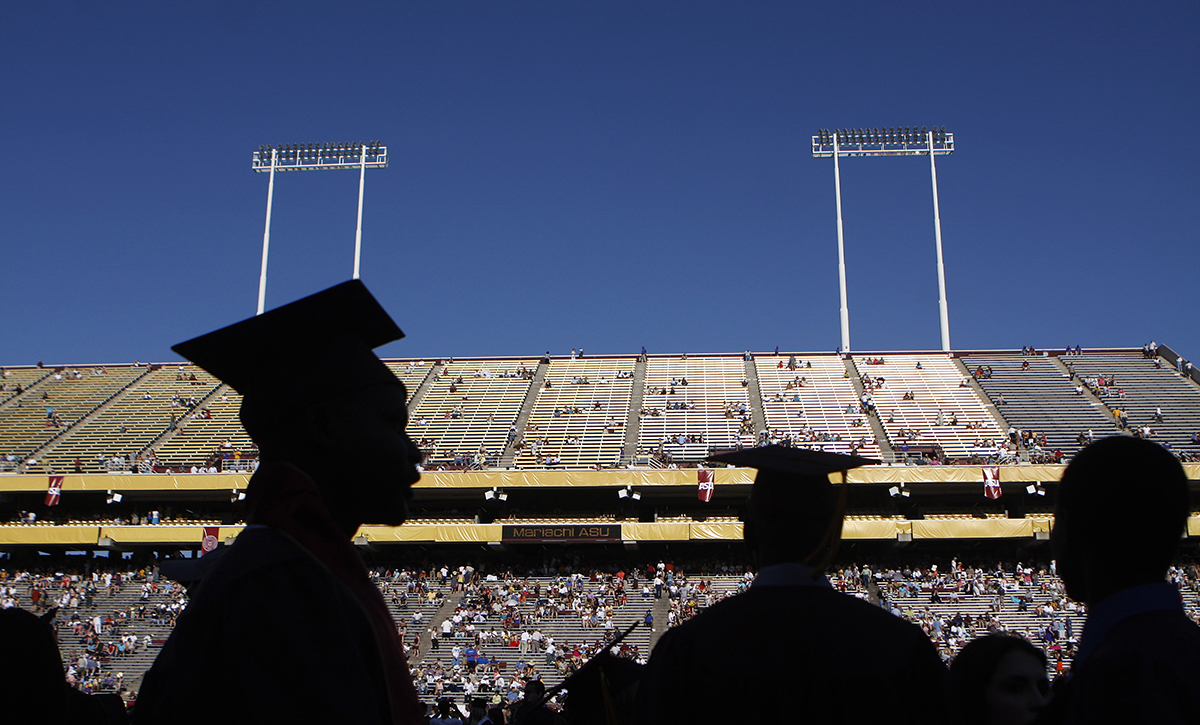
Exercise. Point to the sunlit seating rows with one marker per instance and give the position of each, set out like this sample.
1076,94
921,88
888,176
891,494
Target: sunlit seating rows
1145,388
202,437
576,424
689,419
469,408
133,421
940,410
411,372
818,408
20,377
1041,398
23,429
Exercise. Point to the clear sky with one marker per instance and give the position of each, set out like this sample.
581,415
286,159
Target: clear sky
601,174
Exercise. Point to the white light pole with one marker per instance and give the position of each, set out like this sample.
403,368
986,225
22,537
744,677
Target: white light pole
908,141
316,157
837,185
937,233
262,277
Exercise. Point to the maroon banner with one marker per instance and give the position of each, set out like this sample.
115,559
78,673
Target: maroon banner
54,493
991,482
705,477
210,540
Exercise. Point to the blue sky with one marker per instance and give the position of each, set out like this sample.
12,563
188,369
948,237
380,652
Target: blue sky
606,175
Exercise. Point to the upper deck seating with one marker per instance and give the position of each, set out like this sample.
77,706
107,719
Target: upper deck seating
579,418
468,410
412,373
1040,398
22,378
59,403
942,411
142,412
817,406
692,406
1136,385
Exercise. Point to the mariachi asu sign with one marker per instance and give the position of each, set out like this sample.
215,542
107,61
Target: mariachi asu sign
558,533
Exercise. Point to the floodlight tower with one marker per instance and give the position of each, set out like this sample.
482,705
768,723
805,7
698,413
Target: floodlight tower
315,157
906,141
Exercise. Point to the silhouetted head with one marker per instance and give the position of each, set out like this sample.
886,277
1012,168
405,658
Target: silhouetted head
31,671
794,514
1121,510
999,680
317,397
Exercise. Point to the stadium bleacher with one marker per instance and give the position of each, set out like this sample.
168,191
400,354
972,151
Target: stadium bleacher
578,416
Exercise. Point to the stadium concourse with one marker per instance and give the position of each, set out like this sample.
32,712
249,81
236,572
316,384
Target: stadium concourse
562,494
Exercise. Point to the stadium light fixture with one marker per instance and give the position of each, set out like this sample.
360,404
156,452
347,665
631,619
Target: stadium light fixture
905,141
114,497
1035,489
898,491
315,157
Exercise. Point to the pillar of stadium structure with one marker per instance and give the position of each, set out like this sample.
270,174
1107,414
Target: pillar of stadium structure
362,176
262,277
941,269
837,185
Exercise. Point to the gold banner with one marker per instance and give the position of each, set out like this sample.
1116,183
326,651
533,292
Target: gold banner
163,534
972,528
440,533
667,531
727,531
83,535
873,528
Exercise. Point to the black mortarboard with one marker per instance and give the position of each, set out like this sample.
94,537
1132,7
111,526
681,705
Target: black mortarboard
792,493
322,342
796,461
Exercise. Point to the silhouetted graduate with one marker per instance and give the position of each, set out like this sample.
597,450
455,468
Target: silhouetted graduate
791,648
287,625
33,687
1121,510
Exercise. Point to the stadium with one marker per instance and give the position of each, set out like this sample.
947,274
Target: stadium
568,497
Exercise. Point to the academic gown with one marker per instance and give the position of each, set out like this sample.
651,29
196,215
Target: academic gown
285,627
793,650
1138,662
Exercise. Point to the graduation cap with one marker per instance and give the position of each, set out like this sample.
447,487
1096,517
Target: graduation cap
793,496
322,342
796,462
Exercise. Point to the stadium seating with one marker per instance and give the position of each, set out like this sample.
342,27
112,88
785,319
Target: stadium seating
137,416
827,407
72,394
689,419
468,409
1146,387
938,399
578,420
1041,398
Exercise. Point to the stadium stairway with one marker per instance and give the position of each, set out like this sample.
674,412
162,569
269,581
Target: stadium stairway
991,407
757,413
444,612
171,432
426,383
633,421
1041,399
661,612
539,377
1146,388
886,451
82,422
